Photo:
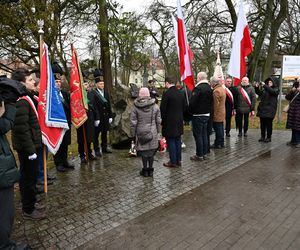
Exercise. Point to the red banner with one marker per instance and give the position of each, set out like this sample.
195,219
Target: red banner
78,111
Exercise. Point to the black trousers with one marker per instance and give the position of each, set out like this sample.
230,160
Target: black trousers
61,156
81,149
103,132
28,179
266,125
228,123
7,214
239,121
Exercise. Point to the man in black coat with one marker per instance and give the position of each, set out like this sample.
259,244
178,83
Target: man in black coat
61,156
101,102
172,109
89,129
201,106
229,104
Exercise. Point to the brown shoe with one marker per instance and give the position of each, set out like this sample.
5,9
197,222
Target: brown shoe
35,215
179,164
169,165
196,158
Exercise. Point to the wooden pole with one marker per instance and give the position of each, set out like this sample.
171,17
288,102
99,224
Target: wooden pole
41,33
85,143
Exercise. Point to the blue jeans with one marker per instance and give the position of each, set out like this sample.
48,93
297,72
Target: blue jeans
199,124
219,130
174,147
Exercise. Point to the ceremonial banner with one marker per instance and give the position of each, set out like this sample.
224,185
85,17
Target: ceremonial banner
52,118
184,51
78,97
242,47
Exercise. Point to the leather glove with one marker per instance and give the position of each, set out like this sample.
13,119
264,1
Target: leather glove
110,120
96,123
32,157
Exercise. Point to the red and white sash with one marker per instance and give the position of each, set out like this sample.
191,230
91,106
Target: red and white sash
230,95
28,99
246,97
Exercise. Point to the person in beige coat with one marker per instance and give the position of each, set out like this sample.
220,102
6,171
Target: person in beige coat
219,111
145,123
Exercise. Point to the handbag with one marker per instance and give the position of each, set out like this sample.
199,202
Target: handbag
287,107
145,136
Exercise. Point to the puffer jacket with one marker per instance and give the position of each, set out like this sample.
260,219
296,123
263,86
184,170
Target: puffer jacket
9,173
268,99
240,103
293,119
145,116
26,133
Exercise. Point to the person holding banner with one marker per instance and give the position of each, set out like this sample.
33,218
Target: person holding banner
27,139
244,105
61,157
89,128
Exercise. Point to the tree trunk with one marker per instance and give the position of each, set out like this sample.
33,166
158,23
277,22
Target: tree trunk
275,25
104,40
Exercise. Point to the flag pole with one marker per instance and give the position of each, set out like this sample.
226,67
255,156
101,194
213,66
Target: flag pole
41,33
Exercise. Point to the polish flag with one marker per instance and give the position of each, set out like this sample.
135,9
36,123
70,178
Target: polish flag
242,47
184,51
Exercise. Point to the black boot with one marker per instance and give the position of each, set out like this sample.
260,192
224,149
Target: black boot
150,172
144,172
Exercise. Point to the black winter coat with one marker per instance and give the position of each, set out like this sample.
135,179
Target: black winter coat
268,100
9,173
67,109
293,120
102,109
172,107
228,104
201,100
89,124
26,133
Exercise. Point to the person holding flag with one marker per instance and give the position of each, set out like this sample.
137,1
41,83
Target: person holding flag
244,105
27,139
88,128
61,156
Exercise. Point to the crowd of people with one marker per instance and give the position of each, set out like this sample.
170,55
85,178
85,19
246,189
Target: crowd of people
207,107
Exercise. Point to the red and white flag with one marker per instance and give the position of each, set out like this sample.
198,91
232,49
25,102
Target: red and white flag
184,51
52,118
242,47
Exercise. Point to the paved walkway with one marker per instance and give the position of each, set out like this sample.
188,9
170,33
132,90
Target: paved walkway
108,205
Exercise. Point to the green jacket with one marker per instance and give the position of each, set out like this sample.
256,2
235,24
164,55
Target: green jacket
26,134
9,173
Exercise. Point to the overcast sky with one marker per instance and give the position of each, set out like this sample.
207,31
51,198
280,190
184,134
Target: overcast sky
140,5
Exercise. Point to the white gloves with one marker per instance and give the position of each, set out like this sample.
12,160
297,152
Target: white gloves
32,157
96,123
110,120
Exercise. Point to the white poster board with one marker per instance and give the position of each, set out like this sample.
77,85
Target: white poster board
290,67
